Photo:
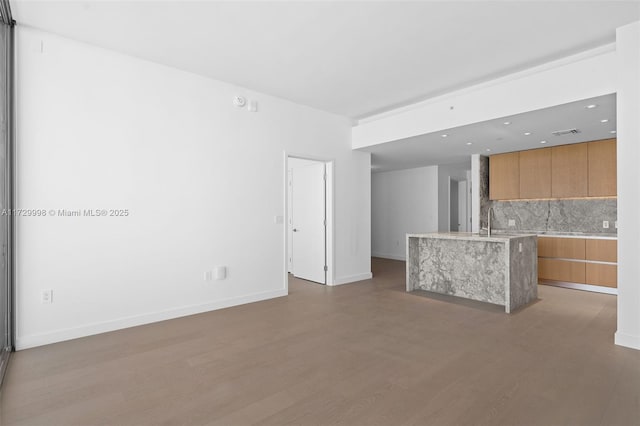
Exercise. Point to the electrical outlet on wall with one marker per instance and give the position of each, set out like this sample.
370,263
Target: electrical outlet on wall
512,222
605,224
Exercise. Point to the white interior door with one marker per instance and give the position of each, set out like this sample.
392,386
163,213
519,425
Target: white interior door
289,222
308,214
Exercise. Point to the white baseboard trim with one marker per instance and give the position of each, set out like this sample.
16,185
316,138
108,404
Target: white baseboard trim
352,278
627,340
390,256
30,341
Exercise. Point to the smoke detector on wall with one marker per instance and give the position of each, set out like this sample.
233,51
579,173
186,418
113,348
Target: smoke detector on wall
239,101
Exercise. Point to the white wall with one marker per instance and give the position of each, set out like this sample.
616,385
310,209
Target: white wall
628,126
202,179
404,201
475,192
582,76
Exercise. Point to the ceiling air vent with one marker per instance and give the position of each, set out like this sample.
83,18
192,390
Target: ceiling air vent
565,132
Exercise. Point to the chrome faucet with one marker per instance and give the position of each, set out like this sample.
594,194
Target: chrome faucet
489,221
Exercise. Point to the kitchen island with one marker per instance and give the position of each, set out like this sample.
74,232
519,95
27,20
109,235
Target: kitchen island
500,269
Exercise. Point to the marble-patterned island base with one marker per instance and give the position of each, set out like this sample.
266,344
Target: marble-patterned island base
500,269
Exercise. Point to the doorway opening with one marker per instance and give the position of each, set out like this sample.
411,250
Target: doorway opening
309,219
459,205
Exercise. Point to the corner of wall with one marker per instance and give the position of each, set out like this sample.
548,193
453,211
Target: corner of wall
352,278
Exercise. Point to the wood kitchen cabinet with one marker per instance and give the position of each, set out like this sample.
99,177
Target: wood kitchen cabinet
569,171
604,274
578,260
535,173
600,274
552,259
561,270
602,168
504,176
602,250
566,248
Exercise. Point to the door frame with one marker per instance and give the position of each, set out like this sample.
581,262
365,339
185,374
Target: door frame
464,197
329,214
452,182
10,194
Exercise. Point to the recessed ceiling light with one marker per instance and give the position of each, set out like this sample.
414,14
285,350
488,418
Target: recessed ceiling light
527,133
506,123
613,132
445,135
591,106
488,150
469,143
604,121
543,141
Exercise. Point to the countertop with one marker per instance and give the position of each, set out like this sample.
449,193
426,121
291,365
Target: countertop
558,234
468,236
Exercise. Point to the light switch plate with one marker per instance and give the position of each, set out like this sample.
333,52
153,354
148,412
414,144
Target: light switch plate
512,222
46,297
219,273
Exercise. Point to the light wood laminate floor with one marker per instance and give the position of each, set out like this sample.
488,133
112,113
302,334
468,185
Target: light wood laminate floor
358,354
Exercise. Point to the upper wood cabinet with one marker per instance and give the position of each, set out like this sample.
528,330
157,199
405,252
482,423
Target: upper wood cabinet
602,168
535,173
569,175
568,171
504,176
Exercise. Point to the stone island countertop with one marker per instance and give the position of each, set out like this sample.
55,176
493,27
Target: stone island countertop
501,269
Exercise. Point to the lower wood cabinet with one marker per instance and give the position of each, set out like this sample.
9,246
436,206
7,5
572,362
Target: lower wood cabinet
601,274
561,270
566,248
602,250
578,260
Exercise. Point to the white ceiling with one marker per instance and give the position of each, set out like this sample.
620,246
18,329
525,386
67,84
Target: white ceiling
349,58
494,136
